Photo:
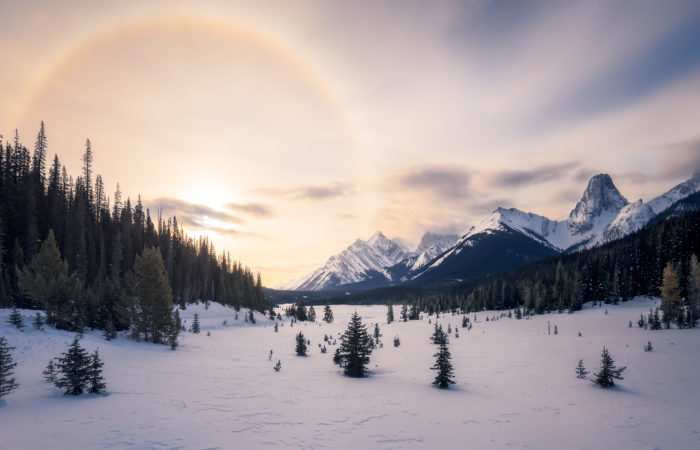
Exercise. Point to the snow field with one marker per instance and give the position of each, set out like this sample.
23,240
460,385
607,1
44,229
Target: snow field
516,386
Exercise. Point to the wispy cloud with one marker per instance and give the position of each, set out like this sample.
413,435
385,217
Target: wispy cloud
191,214
452,182
252,209
310,192
535,175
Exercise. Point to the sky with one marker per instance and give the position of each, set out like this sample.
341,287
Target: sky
286,130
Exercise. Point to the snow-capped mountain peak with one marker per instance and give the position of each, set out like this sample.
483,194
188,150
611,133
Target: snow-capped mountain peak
601,198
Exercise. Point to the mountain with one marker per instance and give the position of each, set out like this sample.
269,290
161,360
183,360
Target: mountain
362,261
500,242
635,215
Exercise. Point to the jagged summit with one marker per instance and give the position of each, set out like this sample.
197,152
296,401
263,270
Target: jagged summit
601,197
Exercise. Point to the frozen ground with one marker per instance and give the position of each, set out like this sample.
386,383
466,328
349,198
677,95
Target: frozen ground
516,387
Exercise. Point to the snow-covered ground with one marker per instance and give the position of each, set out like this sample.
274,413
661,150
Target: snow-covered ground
516,387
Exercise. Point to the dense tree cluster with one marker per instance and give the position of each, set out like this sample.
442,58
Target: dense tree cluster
69,248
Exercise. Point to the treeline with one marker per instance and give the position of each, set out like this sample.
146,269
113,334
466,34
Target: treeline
617,271
100,238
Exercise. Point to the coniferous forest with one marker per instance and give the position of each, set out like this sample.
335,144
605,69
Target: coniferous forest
65,240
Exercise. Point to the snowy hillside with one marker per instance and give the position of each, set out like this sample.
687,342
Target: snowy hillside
516,387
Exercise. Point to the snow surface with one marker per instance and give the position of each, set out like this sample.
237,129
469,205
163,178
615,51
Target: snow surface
516,387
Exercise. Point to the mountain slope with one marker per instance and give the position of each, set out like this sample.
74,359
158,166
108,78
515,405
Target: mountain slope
361,261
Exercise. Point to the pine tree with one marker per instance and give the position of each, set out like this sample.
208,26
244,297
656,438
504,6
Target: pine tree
397,341
608,372
96,381
693,293
389,312
7,365
16,319
74,368
337,358
110,332
153,299
439,335
50,371
251,316
581,371
556,330
195,323
404,312
355,348
277,366
465,321
377,333
276,327
443,367
312,314
648,347
415,312
301,344
327,314
38,322
174,331
670,294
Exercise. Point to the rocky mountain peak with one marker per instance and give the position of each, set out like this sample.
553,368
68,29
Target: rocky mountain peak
600,197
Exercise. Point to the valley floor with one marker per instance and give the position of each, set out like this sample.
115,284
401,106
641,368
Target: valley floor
516,387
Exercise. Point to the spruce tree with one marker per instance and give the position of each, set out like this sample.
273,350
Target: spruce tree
312,314
327,314
251,316
581,371
96,381
16,319
443,367
74,368
301,344
7,365
153,298
50,371
415,312
648,347
389,312
608,372
355,348
404,312
276,327
670,294
195,323
377,333
397,341
174,331
337,358
277,366
38,321
439,335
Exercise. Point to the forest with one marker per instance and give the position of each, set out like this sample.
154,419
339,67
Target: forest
99,239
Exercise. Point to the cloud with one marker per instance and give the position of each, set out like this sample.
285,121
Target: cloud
679,159
540,174
232,232
311,192
252,209
192,214
452,182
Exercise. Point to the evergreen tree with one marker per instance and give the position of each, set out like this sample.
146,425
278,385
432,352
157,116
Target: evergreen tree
301,312
443,367
377,333
648,347
670,294
96,381
195,323
38,321
16,319
74,370
693,293
415,312
397,341
301,344
355,348
312,314
327,314
389,312
277,366
174,331
439,335
110,332
151,313
581,371
337,358
50,372
251,316
404,312
608,372
7,365
276,327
